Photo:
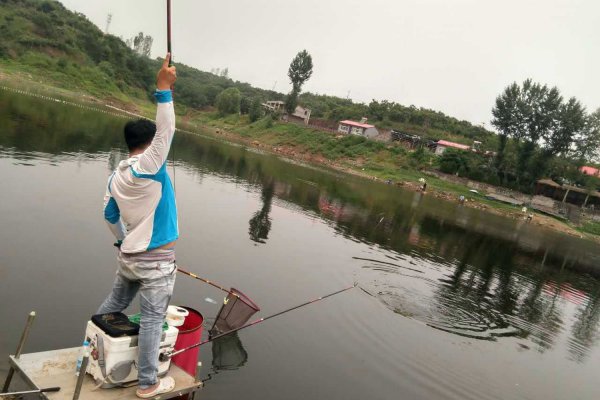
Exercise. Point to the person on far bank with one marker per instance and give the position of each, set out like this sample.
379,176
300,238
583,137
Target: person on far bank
140,209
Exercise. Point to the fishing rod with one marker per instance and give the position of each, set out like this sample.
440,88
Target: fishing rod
168,355
183,271
169,50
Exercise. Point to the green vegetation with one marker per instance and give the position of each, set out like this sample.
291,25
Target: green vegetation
44,39
590,227
228,101
63,48
409,119
255,111
543,129
299,72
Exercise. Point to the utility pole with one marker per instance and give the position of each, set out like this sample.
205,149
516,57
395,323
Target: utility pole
108,20
275,84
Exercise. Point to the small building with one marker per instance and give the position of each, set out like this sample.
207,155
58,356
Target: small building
567,194
358,128
278,106
302,113
590,171
274,106
409,140
442,145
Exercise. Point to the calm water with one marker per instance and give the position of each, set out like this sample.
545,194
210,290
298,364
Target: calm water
455,303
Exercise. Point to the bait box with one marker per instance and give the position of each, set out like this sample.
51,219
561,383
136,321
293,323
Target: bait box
121,356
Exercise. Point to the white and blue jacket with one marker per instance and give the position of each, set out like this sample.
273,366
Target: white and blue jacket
139,205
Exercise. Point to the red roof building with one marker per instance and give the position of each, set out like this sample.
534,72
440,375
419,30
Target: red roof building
442,145
358,128
590,171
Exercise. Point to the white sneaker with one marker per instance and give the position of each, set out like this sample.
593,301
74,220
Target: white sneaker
165,385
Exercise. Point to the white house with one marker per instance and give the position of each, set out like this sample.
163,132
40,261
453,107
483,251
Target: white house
302,113
442,145
358,128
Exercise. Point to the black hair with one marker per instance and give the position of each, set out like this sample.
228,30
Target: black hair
139,133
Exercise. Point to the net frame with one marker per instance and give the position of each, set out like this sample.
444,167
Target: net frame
236,310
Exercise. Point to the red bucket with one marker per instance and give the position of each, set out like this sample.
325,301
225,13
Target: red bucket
190,333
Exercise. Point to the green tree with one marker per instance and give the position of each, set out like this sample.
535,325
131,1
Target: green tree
527,114
245,105
508,118
256,110
228,101
301,69
291,101
587,141
571,123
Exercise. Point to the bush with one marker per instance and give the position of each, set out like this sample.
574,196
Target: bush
245,105
256,110
228,101
268,121
453,161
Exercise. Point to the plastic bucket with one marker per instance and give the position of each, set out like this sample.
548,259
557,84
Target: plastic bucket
190,333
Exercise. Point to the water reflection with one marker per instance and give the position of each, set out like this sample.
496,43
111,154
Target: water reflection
260,223
228,353
585,328
456,269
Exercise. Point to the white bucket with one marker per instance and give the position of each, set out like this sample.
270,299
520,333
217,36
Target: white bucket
176,315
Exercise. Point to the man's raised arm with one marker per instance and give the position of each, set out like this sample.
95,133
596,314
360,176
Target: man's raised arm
153,158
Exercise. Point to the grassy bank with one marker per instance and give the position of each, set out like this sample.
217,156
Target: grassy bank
385,162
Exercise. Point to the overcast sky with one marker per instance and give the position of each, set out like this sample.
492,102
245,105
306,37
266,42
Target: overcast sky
455,56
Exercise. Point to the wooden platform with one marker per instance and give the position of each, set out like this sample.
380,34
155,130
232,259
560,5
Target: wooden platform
57,368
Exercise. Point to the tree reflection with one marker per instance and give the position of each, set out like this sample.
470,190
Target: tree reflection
585,329
260,223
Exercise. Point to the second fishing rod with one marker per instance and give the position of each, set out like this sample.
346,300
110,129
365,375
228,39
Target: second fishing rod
168,355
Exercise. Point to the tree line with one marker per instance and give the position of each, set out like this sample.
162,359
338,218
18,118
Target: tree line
545,129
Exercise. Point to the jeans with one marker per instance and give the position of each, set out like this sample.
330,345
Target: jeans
154,281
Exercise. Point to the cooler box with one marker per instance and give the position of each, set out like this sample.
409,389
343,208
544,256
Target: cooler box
113,360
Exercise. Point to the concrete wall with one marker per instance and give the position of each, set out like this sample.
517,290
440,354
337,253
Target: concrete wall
370,133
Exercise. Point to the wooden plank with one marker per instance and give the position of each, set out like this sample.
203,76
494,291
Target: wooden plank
57,368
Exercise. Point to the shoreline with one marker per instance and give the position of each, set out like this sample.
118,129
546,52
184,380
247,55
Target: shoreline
289,153
317,161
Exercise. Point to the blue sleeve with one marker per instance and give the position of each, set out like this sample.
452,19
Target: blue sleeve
111,211
163,96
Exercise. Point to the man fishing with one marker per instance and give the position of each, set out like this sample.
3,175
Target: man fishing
140,209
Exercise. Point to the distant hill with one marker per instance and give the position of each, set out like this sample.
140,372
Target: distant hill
46,39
